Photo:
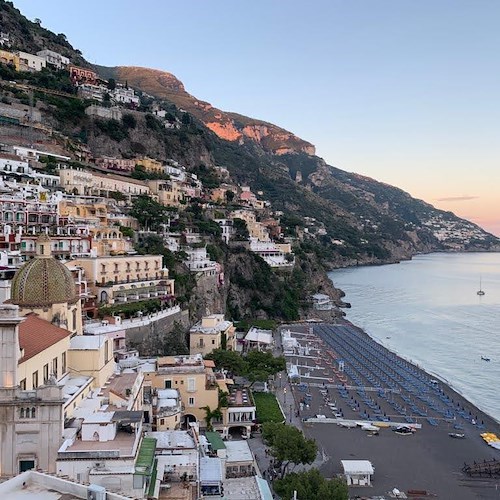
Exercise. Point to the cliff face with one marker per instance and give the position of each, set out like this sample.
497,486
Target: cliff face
228,126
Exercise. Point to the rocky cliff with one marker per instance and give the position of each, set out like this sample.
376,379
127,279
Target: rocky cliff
228,126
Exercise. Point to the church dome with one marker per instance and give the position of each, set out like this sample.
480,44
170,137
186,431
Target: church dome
43,280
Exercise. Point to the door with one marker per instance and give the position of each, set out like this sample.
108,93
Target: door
25,465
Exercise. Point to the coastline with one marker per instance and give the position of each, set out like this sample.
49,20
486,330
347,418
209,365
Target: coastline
430,460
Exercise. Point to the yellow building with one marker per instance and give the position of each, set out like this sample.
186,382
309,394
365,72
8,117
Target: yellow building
150,165
44,352
84,213
208,334
195,381
7,57
126,278
96,184
92,356
45,286
168,193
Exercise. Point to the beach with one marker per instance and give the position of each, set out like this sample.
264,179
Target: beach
375,385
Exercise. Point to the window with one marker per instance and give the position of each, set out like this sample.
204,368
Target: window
22,384
213,341
34,380
63,359
54,367
74,322
45,373
191,384
162,421
191,401
106,351
168,384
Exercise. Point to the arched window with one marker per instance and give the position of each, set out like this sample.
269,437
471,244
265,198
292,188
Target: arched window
33,412
21,412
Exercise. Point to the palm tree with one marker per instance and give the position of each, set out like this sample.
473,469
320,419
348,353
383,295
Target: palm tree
210,415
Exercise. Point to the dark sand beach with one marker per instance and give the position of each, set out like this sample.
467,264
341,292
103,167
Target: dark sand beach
428,460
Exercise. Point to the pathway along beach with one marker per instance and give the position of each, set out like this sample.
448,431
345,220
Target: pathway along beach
428,460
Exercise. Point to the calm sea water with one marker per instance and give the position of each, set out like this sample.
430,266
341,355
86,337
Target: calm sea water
427,310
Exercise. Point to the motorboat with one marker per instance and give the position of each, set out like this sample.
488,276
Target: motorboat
456,435
484,358
403,430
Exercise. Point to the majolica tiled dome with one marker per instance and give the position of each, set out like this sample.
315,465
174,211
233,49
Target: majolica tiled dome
43,280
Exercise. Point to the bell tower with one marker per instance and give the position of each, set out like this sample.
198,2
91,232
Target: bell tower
9,345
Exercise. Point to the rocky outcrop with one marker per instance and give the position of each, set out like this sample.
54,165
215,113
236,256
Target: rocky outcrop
228,126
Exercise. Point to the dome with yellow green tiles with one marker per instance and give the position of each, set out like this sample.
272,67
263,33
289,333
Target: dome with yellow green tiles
43,280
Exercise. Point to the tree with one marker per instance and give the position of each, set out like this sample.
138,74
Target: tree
129,120
288,445
311,485
262,365
240,230
228,360
111,84
149,213
230,196
210,415
38,21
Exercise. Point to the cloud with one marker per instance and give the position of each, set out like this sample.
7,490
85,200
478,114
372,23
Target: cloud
458,198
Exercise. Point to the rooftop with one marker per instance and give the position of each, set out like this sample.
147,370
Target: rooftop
36,335
238,451
173,439
146,456
87,342
260,336
215,441
240,396
357,467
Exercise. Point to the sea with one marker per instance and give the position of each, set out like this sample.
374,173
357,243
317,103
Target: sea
427,310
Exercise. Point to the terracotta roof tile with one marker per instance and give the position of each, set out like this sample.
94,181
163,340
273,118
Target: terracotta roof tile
37,334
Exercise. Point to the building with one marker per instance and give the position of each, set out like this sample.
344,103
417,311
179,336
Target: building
112,113
54,58
209,333
358,472
13,164
31,422
258,339
195,381
29,62
198,262
33,485
169,193
126,278
322,302
151,165
46,287
110,451
82,75
118,164
167,409
239,414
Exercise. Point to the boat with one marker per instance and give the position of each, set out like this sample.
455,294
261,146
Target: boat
480,291
456,435
485,358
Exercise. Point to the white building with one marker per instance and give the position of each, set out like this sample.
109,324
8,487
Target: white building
123,95
30,62
259,339
198,261
277,255
54,58
358,472
322,302
13,164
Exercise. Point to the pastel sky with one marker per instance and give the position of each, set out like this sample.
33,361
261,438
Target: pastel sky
404,91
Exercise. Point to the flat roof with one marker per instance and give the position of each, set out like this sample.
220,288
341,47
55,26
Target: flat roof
258,335
87,342
146,456
173,439
357,467
210,471
215,441
238,451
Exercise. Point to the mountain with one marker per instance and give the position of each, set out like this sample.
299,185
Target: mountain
342,218
229,126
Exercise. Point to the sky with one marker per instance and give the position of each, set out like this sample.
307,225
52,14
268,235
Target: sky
404,91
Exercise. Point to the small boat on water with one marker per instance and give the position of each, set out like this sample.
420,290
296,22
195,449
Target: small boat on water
485,359
456,435
480,291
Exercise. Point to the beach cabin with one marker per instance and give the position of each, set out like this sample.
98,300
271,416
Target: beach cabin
358,472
